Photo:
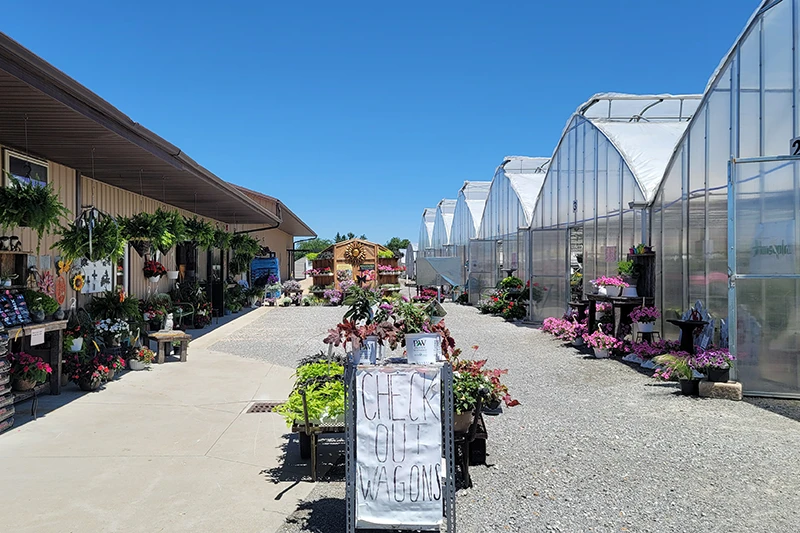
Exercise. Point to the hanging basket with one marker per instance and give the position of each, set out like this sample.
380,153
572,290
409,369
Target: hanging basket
172,274
154,279
142,247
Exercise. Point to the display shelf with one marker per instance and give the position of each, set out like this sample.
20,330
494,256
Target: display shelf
21,252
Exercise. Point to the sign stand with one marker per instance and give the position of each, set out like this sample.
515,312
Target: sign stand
357,480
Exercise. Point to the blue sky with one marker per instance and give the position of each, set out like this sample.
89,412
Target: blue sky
358,115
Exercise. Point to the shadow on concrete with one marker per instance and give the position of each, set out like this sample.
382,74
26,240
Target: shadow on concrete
217,322
291,467
325,515
787,408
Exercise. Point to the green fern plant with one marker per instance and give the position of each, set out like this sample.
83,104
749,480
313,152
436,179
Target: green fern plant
30,205
200,232
106,239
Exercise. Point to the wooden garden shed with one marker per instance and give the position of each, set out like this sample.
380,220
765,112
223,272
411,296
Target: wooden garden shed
366,263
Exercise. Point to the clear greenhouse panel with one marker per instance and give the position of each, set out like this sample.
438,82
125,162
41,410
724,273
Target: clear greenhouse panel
424,245
442,227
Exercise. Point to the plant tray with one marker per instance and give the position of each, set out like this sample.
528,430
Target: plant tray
6,424
6,399
6,412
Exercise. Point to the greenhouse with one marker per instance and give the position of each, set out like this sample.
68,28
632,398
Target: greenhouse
467,217
605,169
749,111
425,245
501,244
443,223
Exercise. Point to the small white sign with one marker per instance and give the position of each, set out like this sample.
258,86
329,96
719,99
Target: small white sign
37,336
399,474
794,146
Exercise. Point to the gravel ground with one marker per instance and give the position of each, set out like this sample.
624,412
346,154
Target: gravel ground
595,446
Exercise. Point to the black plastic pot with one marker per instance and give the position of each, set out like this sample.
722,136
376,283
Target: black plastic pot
718,375
690,387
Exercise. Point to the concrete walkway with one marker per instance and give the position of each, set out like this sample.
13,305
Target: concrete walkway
170,449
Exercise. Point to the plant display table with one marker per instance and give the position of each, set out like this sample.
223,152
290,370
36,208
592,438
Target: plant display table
164,338
580,308
54,335
623,303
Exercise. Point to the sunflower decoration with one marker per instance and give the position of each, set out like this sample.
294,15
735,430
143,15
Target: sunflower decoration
64,266
355,253
78,281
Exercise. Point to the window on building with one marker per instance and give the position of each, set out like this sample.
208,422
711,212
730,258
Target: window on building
26,169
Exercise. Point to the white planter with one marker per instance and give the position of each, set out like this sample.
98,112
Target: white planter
172,274
422,348
577,341
630,292
598,315
602,290
600,354
154,279
136,365
644,327
77,344
609,290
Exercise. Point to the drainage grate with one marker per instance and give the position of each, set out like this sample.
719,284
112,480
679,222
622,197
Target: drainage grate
263,407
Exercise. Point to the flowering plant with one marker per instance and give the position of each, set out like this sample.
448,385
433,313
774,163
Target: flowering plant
715,358
645,315
344,274
554,326
111,327
325,271
369,275
386,268
427,294
346,285
333,296
602,307
609,281
602,341
272,279
28,367
291,285
89,370
647,350
112,362
538,290
144,355
153,268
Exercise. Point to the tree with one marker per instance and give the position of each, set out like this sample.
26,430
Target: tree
314,245
397,245
340,237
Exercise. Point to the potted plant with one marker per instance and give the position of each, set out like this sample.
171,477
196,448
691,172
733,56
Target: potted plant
645,317
169,230
89,374
7,279
153,270
141,359
111,331
40,305
715,363
628,272
680,366
93,235
243,249
139,229
113,364
471,382
253,294
602,343
73,339
28,370
322,383
609,285
30,205
199,232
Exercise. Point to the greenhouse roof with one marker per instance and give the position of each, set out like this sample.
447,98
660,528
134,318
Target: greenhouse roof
647,148
644,128
526,175
447,208
475,194
429,218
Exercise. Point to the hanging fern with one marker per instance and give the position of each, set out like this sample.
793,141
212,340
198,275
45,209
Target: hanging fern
222,239
30,205
168,230
244,248
106,238
200,232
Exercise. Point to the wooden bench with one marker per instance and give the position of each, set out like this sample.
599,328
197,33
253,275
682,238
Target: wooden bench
164,338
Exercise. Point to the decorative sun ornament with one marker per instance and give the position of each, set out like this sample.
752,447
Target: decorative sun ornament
78,281
355,253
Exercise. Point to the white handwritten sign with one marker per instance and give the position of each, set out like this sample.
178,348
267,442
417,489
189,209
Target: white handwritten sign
37,337
399,472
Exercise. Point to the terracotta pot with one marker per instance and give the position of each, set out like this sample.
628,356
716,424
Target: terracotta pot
462,421
23,384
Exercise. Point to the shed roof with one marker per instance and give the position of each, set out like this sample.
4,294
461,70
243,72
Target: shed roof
46,113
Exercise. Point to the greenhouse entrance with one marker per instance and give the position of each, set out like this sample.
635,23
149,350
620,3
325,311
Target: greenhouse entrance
764,289
549,257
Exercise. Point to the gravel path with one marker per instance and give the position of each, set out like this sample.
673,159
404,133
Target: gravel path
596,445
